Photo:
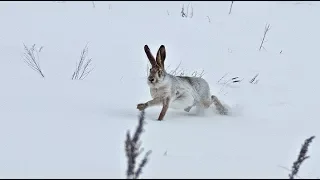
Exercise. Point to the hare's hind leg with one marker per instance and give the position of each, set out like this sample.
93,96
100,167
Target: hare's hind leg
219,107
202,104
207,103
187,109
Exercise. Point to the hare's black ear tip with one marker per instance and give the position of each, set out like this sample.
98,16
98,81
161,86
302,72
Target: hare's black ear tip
162,46
146,47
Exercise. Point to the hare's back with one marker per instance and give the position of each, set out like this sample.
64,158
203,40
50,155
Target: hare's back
199,84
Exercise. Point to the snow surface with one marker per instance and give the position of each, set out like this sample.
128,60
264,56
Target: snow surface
59,128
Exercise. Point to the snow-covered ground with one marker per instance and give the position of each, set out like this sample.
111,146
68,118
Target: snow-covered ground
55,127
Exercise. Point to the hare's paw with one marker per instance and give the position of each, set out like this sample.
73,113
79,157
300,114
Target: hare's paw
223,111
142,106
188,109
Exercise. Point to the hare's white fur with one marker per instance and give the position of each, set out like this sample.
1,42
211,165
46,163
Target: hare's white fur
183,91
178,92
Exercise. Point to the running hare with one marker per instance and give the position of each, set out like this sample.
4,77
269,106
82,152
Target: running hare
178,92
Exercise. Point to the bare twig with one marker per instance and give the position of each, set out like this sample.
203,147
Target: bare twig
267,28
196,74
285,168
82,68
40,48
31,58
231,7
301,157
222,77
191,13
182,12
174,72
230,81
188,10
254,78
181,72
142,164
186,14
132,148
93,4
209,19
233,80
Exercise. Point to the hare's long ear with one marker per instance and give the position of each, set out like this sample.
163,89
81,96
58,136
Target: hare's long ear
161,56
150,56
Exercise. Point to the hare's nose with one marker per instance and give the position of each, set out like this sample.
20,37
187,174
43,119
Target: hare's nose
151,79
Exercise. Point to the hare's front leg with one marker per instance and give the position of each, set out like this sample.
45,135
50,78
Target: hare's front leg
165,107
153,102
156,101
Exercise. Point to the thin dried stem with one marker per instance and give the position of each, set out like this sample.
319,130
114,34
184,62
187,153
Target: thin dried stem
174,72
209,19
187,14
301,157
183,14
230,7
31,58
82,68
132,149
222,77
254,79
266,29
142,164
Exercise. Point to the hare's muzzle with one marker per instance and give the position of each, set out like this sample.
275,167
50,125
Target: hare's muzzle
151,79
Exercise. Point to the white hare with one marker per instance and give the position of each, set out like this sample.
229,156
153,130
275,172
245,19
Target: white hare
179,92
